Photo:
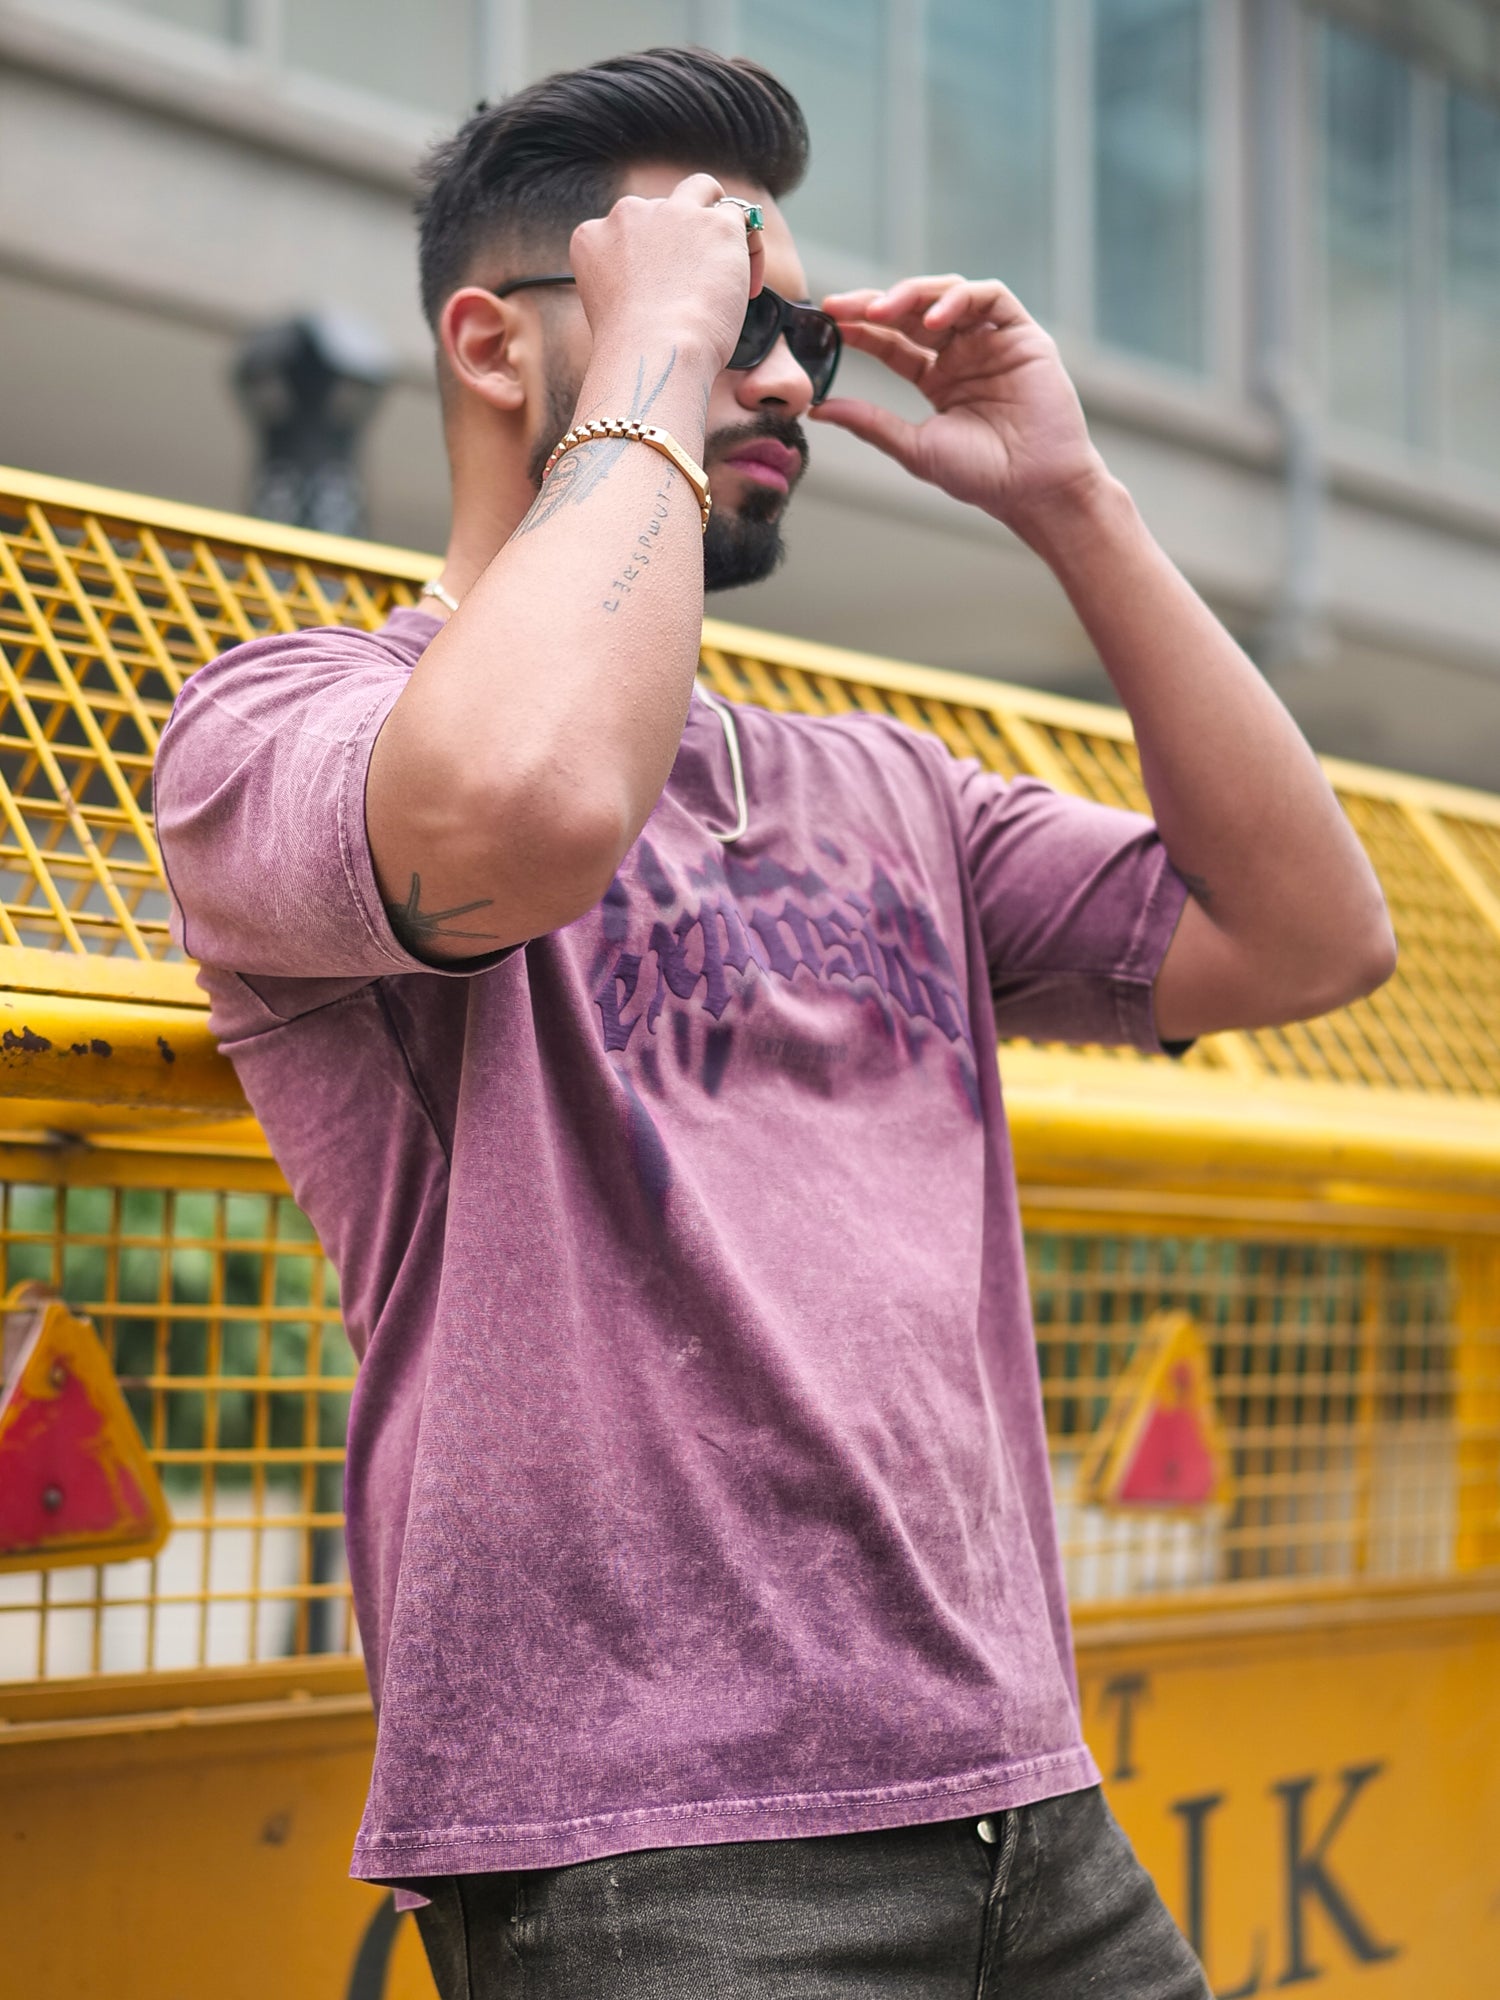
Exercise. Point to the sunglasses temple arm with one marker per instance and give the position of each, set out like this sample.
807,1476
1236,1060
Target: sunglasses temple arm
530,284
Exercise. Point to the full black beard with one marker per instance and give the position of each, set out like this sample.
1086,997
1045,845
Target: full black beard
746,545
739,548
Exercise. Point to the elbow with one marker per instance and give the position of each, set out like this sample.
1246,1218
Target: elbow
1361,968
1381,962
1373,955
552,851
584,846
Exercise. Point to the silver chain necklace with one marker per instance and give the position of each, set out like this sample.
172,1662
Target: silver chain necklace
737,769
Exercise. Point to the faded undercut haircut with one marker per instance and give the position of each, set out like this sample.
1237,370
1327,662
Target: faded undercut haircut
518,177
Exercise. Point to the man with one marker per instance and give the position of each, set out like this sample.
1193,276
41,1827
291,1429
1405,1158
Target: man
634,1057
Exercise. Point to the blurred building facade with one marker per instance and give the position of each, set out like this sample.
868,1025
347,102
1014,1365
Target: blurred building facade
1266,233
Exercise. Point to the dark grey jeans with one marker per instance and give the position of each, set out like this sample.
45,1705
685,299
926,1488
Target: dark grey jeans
1053,1906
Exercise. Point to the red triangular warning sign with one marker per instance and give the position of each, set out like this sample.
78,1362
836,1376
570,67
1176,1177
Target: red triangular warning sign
76,1485
1161,1444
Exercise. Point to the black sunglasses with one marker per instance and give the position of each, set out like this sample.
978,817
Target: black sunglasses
811,336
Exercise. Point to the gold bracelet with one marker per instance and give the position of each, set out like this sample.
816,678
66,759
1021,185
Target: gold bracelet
638,433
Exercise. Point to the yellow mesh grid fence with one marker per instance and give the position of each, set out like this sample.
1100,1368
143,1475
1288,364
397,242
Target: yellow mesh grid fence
1357,1450
106,604
1334,1374
1358,1381
220,1314
1480,845
102,618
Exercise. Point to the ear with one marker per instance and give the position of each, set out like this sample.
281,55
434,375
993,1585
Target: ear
482,337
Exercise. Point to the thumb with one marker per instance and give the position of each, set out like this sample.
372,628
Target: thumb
881,428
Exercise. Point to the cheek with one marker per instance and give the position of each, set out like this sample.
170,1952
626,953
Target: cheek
724,409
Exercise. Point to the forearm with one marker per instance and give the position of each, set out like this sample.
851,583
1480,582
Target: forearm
540,725
1286,917
1242,805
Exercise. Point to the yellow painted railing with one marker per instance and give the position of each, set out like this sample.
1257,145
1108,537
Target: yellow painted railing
109,601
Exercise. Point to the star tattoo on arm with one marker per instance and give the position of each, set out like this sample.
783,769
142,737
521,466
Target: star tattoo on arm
416,928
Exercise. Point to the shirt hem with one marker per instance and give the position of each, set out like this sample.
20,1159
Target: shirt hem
394,1860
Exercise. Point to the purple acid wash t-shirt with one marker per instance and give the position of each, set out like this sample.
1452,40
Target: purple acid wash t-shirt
697,1484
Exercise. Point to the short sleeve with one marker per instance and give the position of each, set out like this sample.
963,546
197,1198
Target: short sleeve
259,796
1077,905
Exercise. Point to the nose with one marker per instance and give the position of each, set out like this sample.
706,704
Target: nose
776,383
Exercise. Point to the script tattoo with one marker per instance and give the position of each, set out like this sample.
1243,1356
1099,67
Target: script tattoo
579,471
640,554
416,928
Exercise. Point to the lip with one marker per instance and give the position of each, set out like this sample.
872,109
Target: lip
766,463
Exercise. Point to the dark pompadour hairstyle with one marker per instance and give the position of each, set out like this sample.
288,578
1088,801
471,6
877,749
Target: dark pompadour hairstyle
521,175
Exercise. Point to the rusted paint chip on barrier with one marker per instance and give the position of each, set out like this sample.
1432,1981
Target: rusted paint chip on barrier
1161,1444
76,1485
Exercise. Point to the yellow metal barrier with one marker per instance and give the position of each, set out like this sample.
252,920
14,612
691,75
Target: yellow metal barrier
220,1313
1318,1646
110,601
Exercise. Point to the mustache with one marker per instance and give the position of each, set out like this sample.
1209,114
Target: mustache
782,430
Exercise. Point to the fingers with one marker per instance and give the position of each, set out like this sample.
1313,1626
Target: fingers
882,428
701,190
969,308
902,356
946,300
851,305
930,311
680,261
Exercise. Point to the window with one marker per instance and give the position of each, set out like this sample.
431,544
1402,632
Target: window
1409,271
567,34
1150,178
1367,186
831,56
426,57
1470,346
989,189
1063,145
415,55
219,18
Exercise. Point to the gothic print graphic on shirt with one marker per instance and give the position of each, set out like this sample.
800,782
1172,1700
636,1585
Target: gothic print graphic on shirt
681,962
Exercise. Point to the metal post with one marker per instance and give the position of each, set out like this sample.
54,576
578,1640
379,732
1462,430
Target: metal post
310,386
1476,1405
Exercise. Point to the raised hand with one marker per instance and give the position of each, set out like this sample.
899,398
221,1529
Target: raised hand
680,267
1007,431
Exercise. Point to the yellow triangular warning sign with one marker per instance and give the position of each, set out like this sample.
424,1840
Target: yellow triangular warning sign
76,1485
1161,1445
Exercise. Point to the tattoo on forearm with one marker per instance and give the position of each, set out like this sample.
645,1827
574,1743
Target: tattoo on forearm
640,554
562,484
579,471
1198,888
416,928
